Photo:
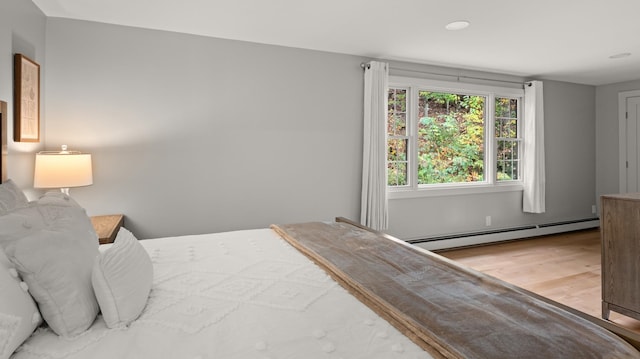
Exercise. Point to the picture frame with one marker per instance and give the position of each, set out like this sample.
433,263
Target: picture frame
26,104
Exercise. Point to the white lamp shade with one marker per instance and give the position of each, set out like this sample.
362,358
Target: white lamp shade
62,170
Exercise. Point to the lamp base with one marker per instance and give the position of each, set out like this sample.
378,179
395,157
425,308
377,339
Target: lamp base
65,190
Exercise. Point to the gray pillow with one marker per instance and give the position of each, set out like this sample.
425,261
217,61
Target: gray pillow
54,254
51,210
56,265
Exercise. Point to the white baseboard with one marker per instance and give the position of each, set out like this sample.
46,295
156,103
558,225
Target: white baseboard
484,238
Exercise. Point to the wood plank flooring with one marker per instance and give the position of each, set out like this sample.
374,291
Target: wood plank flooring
564,268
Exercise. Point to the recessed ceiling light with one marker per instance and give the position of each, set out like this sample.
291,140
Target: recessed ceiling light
457,25
620,55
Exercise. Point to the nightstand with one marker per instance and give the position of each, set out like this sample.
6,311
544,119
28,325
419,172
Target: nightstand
107,226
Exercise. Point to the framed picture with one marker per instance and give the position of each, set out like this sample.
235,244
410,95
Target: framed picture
26,107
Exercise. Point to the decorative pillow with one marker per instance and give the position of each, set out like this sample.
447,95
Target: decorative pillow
19,223
56,263
54,209
11,197
19,315
121,278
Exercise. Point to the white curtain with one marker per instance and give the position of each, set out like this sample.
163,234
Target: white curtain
533,162
374,212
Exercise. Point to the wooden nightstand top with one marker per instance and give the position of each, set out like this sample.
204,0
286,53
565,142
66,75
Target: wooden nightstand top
107,226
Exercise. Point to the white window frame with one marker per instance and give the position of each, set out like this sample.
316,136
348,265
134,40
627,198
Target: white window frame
490,184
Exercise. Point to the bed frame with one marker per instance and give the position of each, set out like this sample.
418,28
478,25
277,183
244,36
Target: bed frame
447,309
631,337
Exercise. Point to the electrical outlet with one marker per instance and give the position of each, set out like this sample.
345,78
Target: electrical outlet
594,209
487,221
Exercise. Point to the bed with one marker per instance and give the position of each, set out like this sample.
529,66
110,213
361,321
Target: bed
245,294
307,290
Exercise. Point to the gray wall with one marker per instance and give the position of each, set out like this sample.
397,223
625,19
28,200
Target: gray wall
192,134
22,30
607,136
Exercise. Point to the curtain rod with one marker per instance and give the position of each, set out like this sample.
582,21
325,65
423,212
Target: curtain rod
458,77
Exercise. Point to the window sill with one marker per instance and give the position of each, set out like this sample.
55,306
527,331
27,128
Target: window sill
402,193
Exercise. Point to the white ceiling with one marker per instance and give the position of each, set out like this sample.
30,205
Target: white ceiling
566,40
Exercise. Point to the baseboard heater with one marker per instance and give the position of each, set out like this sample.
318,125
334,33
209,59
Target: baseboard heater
504,234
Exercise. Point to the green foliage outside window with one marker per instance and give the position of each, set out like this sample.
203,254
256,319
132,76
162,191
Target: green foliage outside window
506,133
450,138
398,143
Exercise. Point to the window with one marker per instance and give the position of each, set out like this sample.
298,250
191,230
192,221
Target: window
452,135
398,140
507,132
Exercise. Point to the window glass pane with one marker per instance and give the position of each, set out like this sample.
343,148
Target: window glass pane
397,112
397,149
514,107
507,160
397,163
504,170
506,130
508,170
450,137
506,120
499,127
502,107
397,145
397,174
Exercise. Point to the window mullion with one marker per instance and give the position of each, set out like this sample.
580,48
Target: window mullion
413,128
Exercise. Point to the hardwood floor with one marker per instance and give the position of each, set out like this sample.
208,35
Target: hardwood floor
564,268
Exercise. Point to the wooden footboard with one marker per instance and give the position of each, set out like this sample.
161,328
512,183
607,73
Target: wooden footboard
449,310
630,336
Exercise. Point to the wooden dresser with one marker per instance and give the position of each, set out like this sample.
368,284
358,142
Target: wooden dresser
620,232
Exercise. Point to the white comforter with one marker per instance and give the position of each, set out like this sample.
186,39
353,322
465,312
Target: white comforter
245,294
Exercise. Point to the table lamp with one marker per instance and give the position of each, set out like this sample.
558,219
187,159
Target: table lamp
62,169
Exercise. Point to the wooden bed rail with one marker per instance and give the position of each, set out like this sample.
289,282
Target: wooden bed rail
630,336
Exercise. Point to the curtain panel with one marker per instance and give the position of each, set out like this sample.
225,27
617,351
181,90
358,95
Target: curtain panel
533,196
374,203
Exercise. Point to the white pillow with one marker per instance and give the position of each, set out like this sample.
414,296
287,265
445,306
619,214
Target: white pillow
121,278
11,197
19,315
56,263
